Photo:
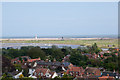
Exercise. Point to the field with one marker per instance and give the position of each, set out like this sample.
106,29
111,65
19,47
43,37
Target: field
100,42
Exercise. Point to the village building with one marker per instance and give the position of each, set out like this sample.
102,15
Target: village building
18,61
89,71
44,73
75,71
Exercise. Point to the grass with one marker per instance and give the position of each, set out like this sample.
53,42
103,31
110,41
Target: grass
101,43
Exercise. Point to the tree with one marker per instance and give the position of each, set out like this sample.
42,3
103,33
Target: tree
13,53
36,53
57,54
25,72
18,66
5,67
95,48
78,59
21,59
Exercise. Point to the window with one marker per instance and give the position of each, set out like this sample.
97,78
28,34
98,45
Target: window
25,63
35,73
30,64
41,74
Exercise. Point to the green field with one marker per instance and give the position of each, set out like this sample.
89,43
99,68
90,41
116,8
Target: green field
101,43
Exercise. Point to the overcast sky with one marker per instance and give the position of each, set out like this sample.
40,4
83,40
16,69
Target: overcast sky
59,19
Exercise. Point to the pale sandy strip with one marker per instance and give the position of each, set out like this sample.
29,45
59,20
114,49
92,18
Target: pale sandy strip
19,39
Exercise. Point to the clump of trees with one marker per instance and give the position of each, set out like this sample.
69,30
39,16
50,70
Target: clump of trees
6,65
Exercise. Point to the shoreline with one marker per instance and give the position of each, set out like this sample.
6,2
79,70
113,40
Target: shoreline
24,39
101,42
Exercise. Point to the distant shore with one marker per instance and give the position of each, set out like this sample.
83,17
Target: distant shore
101,42
23,39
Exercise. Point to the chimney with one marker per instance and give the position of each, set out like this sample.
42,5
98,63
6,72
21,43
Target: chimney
46,60
114,71
107,74
54,60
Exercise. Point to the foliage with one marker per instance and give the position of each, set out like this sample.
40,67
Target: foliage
67,77
36,52
78,59
5,63
18,66
25,72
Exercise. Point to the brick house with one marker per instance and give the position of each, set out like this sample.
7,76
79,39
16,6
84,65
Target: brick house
17,59
51,65
44,73
75,71
89,71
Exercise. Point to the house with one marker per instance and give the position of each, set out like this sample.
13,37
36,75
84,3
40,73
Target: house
24,59
29,64
89,71
17,59
75,71
53,74
112,74
44,73
65,65
51,65
41,72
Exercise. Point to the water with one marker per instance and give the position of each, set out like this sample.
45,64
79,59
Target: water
19,45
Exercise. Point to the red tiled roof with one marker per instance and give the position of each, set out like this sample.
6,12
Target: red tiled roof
17,58
75,69
13,60
31,60
116,54
104,77
41,70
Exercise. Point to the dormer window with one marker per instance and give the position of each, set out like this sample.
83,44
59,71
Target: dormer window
25,63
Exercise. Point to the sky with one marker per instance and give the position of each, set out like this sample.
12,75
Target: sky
59,18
